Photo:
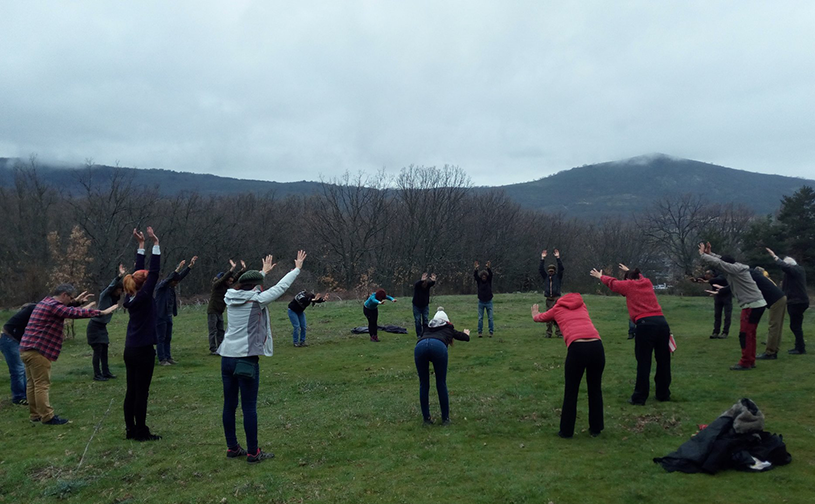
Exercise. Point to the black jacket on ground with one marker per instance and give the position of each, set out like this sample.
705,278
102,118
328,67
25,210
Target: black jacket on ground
421,293
484,286
795,283
551,284
446,334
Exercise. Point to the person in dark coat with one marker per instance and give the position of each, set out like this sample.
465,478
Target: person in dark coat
97,331
421,301
139,354
13,331
553,279
216,307
483,280
722,302
167,308
297,314
795,288
432,347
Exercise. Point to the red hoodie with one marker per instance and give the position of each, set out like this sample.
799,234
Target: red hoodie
572,317
639,296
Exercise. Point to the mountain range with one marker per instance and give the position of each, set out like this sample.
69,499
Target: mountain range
590,191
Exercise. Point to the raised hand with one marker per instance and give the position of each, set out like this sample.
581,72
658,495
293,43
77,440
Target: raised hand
433,277
84,296
544,252
623,267
243,264
595,273
268,264
535,309
557,254
775,256
152,235
139,236
180,265
701,248
232,265
424,277
475,264
489,263
707,248
301,256
122,270
192,261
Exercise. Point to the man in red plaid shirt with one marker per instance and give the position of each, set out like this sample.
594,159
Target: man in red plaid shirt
42,342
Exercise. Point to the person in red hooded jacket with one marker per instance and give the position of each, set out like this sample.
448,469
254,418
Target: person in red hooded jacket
585,354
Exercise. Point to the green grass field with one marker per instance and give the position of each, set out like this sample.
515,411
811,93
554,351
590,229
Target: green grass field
342,417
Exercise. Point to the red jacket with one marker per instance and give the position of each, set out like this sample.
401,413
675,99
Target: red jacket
572,317
639,296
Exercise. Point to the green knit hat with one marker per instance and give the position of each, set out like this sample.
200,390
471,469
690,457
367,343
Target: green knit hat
251,277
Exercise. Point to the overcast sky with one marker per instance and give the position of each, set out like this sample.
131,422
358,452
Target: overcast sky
508,91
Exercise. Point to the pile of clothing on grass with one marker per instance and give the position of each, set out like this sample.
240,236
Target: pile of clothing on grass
735,440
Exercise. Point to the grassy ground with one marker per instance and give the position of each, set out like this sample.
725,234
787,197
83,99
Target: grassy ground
342,417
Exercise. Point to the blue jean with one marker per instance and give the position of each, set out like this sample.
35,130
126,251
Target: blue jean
420,315
164,333
248,389
298,322
482,306
427,351
16,369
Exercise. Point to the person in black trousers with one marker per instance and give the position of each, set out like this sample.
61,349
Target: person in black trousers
97,331
722,302
140,354
795,288
421,302
585,354
553,279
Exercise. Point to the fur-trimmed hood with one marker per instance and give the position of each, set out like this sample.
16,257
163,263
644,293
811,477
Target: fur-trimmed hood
746,417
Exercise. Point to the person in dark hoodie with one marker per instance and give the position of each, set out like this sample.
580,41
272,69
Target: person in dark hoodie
722,302
297,314
795,288
553,279
216,307
97,331
139,354
421,301
652,335
167,308
13,331
483,280
432,347
585,353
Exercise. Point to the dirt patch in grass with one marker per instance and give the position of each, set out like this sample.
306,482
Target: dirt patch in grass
643,422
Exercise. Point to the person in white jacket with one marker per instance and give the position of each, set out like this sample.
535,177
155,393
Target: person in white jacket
248,335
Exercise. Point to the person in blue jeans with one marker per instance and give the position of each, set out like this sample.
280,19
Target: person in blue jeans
432,347
166,309
297,314
421,301
10,347
483,280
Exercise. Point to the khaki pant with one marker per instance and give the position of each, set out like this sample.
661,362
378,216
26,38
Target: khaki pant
38,385
550,302
776,325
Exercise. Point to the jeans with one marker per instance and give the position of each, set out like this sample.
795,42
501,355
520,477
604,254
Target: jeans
435,351
10,348
215,324
652,337
38,385
248,389
298,323
590,357
482,306
796,311
100,356
139,362
720,306
420,318
164,333
750,317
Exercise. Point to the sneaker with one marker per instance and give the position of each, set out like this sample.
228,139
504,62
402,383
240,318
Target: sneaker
164,363
303,344
296,344
594,433
34,420
795,351
213,352
630,335
428,421
99,378
548,335
739,367
109,376
564,436
714,336
20,402
724,336
636,403
479,335
490,334
375,339
236,452
147,437
257,457
171,361
446,423
766,356
55,420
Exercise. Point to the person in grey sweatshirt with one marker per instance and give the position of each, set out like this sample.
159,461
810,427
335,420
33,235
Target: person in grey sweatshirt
749,298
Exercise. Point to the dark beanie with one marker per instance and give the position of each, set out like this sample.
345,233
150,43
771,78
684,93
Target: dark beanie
551,267
251,277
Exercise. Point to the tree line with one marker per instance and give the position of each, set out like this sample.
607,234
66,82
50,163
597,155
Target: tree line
364,230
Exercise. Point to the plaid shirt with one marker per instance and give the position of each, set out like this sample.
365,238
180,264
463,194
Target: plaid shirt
44,330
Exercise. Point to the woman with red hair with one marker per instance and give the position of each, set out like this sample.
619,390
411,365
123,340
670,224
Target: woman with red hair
371,312
140,353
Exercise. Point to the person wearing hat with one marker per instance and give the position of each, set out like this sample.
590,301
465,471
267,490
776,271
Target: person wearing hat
795,288
140,353
432,347
97,331
584,353
552,277
371,312
216,307
483,281
248,335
